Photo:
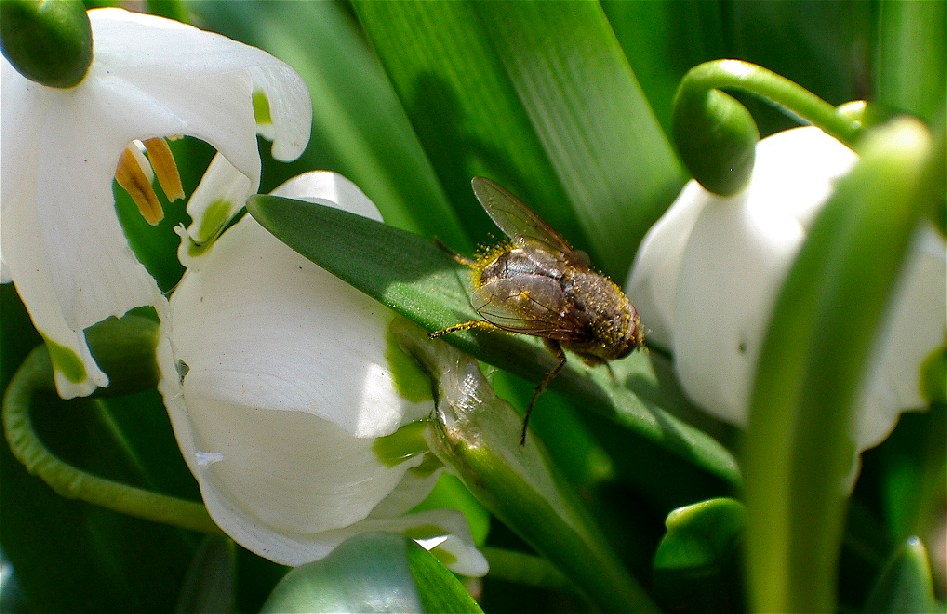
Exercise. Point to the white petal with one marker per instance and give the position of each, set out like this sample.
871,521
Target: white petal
223,191
330,189
707,276
287,380
653,281
918,319
263,326
150,77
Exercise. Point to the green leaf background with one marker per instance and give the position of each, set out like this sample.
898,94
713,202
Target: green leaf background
568,105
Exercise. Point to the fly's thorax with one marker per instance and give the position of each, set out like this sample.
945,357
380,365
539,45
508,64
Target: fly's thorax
505,261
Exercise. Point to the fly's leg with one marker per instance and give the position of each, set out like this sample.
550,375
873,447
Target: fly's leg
556,349
468,325
458,258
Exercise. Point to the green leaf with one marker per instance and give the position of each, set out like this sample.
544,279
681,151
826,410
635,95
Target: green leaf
698,564
799,448
416,279
663,40
905,585
913,473
539,98
375,572
911,73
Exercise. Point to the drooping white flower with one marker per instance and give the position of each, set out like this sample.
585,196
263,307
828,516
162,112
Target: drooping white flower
150,77
708,272
277,379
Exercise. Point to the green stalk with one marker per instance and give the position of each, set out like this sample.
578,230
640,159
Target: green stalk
476,435
36,374
716,135
799,447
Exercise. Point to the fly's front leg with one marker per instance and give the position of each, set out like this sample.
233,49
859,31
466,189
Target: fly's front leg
458,258
556,349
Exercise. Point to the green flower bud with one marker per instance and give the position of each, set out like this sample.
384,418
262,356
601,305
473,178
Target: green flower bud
715,136
48,41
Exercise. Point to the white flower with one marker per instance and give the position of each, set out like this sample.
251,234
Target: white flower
286,389
150,77
707,275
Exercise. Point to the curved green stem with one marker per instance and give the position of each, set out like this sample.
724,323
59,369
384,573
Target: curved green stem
35,374
715,134
753,79
525,569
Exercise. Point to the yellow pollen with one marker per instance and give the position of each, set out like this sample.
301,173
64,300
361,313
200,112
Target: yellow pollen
162,161
132,178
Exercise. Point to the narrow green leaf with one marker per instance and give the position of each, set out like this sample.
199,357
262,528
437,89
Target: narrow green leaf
438,589
698,564
498,89
414,277
905,585
663,40
799,448
911,73
375,572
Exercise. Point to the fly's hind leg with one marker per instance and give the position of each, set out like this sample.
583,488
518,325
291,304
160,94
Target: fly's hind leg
556,349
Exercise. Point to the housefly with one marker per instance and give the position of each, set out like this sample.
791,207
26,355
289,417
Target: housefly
536,284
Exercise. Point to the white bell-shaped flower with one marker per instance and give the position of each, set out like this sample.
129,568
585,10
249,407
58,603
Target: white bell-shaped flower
708,273
150,77
276,375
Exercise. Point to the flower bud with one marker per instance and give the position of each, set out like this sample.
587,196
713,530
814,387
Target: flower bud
48,41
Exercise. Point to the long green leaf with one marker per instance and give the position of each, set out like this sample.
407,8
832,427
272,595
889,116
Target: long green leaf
539,98
416,279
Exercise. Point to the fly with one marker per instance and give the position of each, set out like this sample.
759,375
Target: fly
536,284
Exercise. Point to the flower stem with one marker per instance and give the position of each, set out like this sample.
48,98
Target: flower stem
476,434
36,374
716,135
525,569
753,79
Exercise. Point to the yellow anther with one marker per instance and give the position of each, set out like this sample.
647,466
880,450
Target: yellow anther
133,179
162,161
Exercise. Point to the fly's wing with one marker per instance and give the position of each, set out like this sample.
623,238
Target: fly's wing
528,304
515,219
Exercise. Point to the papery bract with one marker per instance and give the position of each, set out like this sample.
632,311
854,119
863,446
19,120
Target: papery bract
63,246
708,273
286,389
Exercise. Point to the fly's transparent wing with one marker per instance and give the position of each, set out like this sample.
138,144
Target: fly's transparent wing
530,306
515,219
